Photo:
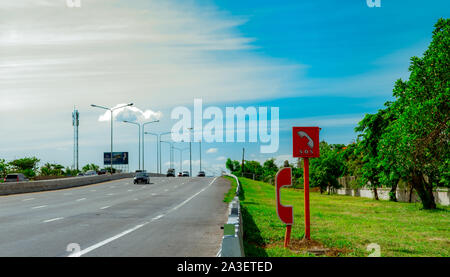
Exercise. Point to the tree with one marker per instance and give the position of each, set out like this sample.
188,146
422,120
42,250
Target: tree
325,169
90,167
233,166
372,128
4,168
419,135
27,166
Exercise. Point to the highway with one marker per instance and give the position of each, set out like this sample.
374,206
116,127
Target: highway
171,217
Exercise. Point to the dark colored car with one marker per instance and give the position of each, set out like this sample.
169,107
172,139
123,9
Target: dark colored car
180,174
15,177
201,174
170,172
102,172
141,177
185,173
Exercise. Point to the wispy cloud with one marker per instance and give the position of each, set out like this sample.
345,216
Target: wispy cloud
212,150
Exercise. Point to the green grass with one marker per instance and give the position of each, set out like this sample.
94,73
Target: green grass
232,191
342,222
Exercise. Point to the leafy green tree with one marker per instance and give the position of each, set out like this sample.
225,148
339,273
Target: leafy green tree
91,167
233,166
325,170
372,128
419,135
4,168
27,166
270,170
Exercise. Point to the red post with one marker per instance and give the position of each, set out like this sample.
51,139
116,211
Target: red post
306,189
287,236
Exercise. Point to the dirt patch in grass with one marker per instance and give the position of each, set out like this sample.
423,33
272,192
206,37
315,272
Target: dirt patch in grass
310,246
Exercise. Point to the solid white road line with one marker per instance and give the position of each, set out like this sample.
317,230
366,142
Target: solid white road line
100,244
81,199
38,207
28,199
54,219
106,207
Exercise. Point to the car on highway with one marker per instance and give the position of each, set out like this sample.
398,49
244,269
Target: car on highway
170,172
180,174
201,174
141,177
15,177
90,173
185,173
102,172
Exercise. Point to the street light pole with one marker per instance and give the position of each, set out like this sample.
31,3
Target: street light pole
160,152
143,142
157,149
139,126
112,117
181,156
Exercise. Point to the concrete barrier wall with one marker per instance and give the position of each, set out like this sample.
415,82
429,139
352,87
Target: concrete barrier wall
441,196
45,185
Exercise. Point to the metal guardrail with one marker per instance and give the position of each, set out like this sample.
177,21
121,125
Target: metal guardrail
232,240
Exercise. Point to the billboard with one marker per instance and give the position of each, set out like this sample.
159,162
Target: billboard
118,158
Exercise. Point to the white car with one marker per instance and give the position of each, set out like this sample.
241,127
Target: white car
90,173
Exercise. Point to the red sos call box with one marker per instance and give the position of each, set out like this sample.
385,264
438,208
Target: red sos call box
305,141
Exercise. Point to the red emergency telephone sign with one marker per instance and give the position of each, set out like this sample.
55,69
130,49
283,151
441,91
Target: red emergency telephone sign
305,145
305,142
285,213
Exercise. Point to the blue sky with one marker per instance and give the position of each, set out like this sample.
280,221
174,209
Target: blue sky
323,63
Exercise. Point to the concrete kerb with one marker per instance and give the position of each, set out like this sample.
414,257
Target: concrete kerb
232,241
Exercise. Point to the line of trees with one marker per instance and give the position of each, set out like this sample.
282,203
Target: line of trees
29,166
407,141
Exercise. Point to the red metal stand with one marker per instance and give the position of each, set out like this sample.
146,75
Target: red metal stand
306,189
287,236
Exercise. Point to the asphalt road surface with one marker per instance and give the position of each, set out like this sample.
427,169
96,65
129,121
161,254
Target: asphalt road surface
171,217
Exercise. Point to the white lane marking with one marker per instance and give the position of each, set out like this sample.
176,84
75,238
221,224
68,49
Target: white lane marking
190,198
157,217
106,207
130,190
135,199
100,244
110,194
166,190
53,219
38,207
28,199
153,194
81,199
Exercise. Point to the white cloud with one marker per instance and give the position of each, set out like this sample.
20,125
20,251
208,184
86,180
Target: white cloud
212,150
132,114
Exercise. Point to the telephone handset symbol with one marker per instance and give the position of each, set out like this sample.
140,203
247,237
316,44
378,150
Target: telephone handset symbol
310,143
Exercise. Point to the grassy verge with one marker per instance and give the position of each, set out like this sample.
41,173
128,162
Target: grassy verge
232,191
342,223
